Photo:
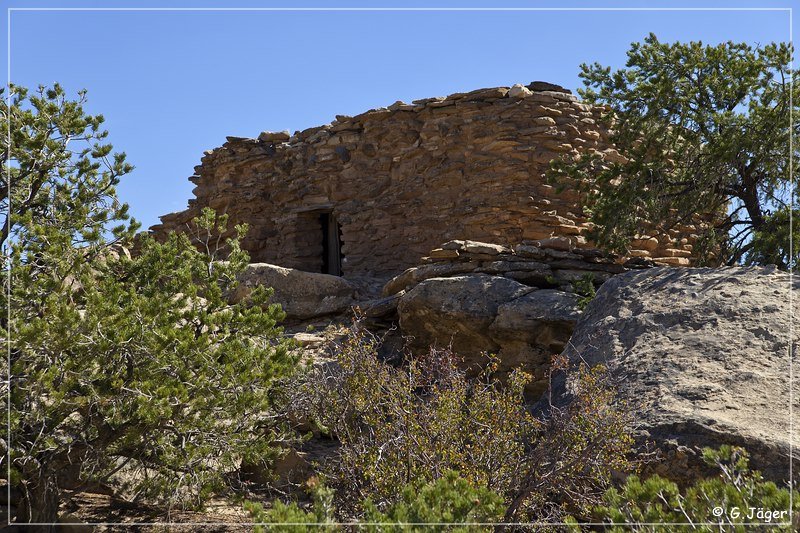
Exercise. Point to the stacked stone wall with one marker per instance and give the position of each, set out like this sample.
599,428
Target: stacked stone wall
404,178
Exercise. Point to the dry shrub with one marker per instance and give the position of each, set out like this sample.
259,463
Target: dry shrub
416,422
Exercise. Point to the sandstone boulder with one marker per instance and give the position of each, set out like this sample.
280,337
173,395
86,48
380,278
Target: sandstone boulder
415,275
702,358
301,294
479,314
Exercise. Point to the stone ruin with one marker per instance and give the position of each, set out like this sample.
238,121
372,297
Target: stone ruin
373,197
367,196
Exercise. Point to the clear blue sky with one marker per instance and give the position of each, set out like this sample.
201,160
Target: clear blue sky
173,84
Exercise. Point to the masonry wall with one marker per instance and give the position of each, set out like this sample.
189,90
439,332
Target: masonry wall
404,179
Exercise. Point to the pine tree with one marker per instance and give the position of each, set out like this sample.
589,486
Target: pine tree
121,363
704,130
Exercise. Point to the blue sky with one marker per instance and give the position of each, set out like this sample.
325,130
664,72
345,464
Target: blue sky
172,84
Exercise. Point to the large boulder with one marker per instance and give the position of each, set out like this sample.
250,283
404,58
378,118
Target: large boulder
479,314
701,356
302,295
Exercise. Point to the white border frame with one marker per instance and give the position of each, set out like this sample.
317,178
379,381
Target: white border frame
500,9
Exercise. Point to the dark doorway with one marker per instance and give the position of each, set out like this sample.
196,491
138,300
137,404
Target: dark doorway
331,244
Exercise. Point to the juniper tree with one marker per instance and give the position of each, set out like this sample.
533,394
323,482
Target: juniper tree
120,363
705,130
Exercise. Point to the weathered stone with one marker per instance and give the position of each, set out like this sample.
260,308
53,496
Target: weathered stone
556,243
501,267
441,253
301,294
544,121
272,136
397,105
481,94
412,276
457,311
572,274
701,356
453,245
484,248
522,318
479,314
382,307
613,156
308,339
527,250
534,278
583,264
519,91
673,261
544,86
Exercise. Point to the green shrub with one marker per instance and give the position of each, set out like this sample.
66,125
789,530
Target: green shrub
291,518
448,500
730,502
584,287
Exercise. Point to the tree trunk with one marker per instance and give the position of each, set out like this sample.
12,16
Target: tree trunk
40,505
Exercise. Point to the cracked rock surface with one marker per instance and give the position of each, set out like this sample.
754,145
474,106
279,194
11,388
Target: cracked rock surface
702,358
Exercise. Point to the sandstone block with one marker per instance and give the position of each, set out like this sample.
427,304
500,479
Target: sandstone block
301,294
556,243
475,247
519,91
415,275
543,121
382,307
272,136
441,253
545,86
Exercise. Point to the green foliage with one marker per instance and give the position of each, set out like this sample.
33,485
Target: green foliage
704,131
291,518
448,500
417,422
770,245
584,287
136,365
57,171
730,502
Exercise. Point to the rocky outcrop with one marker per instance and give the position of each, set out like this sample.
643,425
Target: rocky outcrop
479,314
701,357
547,263
514,302
302,295
396,181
